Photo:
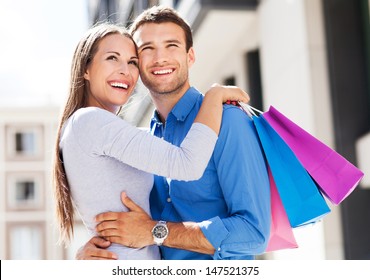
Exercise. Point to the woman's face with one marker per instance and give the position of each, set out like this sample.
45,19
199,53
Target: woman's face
113,72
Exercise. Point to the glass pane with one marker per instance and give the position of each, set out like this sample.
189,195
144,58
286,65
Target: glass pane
25,142
25,243
25,191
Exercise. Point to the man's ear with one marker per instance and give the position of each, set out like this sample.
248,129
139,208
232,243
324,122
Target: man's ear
191,56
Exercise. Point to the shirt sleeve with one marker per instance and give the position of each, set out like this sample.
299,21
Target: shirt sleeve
244,182
101,133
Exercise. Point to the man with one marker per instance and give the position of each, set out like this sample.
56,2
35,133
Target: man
225,214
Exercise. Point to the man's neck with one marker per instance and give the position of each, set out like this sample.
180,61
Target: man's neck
164,103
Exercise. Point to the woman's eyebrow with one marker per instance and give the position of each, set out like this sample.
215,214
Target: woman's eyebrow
114,52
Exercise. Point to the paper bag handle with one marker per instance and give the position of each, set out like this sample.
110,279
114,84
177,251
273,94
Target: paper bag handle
251,111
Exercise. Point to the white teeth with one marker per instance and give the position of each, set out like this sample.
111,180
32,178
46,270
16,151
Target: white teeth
120,85
165,71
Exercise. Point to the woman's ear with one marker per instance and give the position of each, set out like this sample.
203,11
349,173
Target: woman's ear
87,75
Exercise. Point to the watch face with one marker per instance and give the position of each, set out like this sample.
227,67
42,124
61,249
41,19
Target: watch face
160,231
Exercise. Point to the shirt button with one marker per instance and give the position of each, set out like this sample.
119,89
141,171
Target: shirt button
169,199
219,249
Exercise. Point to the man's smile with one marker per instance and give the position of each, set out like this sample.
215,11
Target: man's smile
163,71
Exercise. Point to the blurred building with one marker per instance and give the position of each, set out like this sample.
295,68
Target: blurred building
27,216
310,59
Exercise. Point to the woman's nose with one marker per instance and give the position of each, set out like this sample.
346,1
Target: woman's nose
124,69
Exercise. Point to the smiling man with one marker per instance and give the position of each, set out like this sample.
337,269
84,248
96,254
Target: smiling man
223,215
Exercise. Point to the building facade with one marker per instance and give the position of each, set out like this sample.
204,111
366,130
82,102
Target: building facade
27,214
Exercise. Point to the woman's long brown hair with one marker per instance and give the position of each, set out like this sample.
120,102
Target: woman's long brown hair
77,98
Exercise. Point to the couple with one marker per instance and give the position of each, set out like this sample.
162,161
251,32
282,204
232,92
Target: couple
209,197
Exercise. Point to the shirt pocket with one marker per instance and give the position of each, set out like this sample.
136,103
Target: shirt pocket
204,189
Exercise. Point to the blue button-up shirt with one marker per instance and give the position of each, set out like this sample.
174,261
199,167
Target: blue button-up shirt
231,202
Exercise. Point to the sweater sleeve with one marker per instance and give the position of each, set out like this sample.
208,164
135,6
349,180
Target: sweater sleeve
101,133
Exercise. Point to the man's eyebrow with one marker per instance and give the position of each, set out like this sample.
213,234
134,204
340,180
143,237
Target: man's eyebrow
145,44
166,41
173,41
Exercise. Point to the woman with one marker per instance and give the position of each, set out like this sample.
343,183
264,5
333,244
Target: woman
98,155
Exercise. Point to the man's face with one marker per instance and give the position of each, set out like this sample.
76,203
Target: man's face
163,60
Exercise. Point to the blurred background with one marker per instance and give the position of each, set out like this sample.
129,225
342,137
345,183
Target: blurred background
308,58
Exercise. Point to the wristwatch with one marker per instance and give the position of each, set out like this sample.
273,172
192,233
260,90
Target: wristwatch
160,232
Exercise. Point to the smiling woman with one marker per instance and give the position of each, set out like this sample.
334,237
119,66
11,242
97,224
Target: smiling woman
112,74
98,155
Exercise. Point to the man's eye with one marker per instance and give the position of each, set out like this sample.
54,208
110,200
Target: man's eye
173,45
146,48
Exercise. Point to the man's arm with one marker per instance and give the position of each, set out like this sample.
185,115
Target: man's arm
245,186
243,179
133,229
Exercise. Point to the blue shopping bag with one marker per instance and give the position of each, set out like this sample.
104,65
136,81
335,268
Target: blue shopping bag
335,176
300,196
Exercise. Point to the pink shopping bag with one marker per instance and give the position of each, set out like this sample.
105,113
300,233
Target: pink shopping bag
281,234
336,177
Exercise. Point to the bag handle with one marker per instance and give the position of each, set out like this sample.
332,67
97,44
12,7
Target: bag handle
251,111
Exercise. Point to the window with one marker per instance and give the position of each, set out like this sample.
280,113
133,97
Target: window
25,241
253,66
230,81
24,190
24,142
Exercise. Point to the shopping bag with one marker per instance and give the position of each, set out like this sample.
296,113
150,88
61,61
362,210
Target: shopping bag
281,233
335,176
299,194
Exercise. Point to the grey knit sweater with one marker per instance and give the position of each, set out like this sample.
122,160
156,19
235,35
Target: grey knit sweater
104,155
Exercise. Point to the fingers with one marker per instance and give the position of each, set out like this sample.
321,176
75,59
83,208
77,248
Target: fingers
113,216
100,254
107,225
107,216
94,249
99,242
234,93
132,206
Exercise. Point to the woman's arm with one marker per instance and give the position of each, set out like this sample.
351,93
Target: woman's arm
100,133
210,112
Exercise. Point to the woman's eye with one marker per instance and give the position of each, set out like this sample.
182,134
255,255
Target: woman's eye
133,62
112,57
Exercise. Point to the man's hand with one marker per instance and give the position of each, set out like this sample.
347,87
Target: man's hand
95,249
131,229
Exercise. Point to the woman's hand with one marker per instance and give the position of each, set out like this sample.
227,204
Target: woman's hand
228,93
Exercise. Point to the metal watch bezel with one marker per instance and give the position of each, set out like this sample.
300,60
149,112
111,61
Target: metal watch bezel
160,232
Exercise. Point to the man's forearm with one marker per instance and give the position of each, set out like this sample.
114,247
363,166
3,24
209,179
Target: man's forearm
188,236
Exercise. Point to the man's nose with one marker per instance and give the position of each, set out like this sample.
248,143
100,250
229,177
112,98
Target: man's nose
160,56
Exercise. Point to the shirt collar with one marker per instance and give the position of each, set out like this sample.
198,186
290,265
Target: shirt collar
182,107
